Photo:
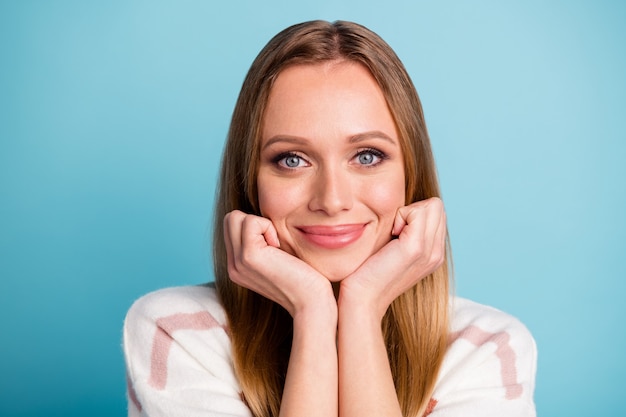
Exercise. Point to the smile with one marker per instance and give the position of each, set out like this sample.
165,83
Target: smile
333,237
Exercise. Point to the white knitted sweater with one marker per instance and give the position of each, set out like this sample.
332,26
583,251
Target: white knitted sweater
179,362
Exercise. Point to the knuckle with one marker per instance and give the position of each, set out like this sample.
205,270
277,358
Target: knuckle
434,203
232,216
247,259
437,257
233,273
248,223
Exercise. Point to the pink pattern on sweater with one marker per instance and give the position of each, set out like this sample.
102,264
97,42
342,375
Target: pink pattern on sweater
430,407
163,339
504,352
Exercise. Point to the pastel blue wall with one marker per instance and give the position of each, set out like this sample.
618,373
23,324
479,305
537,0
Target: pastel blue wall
112,118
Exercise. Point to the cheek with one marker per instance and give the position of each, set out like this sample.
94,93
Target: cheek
278,203
276,199
267,200
387,197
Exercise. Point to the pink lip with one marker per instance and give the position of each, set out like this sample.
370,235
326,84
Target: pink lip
333,237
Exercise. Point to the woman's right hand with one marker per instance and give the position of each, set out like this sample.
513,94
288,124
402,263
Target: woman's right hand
256,262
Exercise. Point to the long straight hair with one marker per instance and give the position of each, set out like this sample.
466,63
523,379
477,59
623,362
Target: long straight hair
415,327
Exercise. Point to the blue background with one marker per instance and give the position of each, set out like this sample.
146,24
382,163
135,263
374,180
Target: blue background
112,119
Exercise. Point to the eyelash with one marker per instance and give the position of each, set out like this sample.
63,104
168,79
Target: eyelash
375,152
284,155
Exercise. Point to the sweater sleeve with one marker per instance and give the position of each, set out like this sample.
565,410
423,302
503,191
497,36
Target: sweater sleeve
489,368
178,356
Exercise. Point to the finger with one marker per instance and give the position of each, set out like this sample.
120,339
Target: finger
434,216
410,220
232,235
230,262
442,228
404,216
435,234
421,233
271,235
398,223
442,235
258,232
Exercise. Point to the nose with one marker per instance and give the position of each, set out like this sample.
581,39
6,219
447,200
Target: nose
332,191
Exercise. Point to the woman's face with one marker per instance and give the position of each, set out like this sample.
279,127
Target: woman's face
331,173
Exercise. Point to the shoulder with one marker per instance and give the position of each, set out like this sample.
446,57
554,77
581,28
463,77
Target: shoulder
477,328
178,355
470,318
190,316
490,362
169,302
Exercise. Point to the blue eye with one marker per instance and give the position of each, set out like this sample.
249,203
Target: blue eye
292,161
370,157
289,160
366,158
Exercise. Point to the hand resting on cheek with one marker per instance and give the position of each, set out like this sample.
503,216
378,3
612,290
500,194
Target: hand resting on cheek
256,262
417,252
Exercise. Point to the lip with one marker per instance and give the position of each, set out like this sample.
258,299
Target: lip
333,237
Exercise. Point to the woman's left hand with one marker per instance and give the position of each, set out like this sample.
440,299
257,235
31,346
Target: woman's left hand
418,251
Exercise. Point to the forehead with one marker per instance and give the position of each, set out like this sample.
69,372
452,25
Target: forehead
315,98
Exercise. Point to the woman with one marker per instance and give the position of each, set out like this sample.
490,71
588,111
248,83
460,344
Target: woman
331,263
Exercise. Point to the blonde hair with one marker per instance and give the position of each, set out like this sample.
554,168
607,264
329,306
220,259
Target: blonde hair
415,326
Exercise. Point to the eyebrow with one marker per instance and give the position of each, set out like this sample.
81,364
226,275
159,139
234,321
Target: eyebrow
283,138
359,137
375,134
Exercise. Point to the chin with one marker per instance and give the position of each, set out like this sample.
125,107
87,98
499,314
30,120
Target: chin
336,273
